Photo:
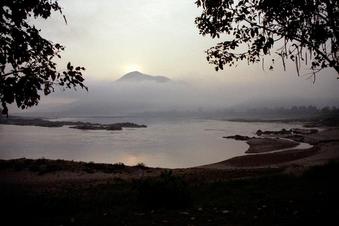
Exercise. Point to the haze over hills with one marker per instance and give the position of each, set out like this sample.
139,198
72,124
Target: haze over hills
136,76
136,92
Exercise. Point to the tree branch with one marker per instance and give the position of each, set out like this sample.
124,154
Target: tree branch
11,73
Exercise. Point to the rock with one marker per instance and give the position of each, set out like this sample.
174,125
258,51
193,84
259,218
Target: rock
96,127
115,126
304,131
268,132
238,137
259,132
20,121
129,125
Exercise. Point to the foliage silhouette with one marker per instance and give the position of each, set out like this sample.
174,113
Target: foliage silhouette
26,59
167,191
303,30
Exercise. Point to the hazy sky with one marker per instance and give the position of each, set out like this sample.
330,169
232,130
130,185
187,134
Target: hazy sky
159,37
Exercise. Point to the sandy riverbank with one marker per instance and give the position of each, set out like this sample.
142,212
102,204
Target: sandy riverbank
325,148
245,190
59,172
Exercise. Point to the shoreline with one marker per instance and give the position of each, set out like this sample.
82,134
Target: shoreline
268,150
325,148
245,190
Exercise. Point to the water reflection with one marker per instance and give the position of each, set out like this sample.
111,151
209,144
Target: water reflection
166,144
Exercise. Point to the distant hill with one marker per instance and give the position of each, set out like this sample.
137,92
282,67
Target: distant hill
136,76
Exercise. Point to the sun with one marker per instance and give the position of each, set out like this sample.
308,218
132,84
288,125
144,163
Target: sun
132,67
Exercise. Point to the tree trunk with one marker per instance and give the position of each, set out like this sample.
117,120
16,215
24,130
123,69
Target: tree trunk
337,69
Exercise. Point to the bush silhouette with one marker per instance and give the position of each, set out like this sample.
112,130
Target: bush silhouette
166,191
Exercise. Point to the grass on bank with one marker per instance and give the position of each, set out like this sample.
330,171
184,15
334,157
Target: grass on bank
310,199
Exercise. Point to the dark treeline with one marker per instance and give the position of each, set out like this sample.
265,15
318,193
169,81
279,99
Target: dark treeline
293,112
264,113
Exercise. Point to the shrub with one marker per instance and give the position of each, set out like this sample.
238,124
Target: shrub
92,167
141,165
166,191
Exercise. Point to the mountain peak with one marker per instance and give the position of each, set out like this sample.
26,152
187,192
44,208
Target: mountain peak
136,76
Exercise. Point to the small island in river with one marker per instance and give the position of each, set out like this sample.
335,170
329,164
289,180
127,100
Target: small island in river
19,121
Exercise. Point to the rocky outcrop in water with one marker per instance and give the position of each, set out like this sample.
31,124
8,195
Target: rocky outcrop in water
75,125
238,137
283,132
115,126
